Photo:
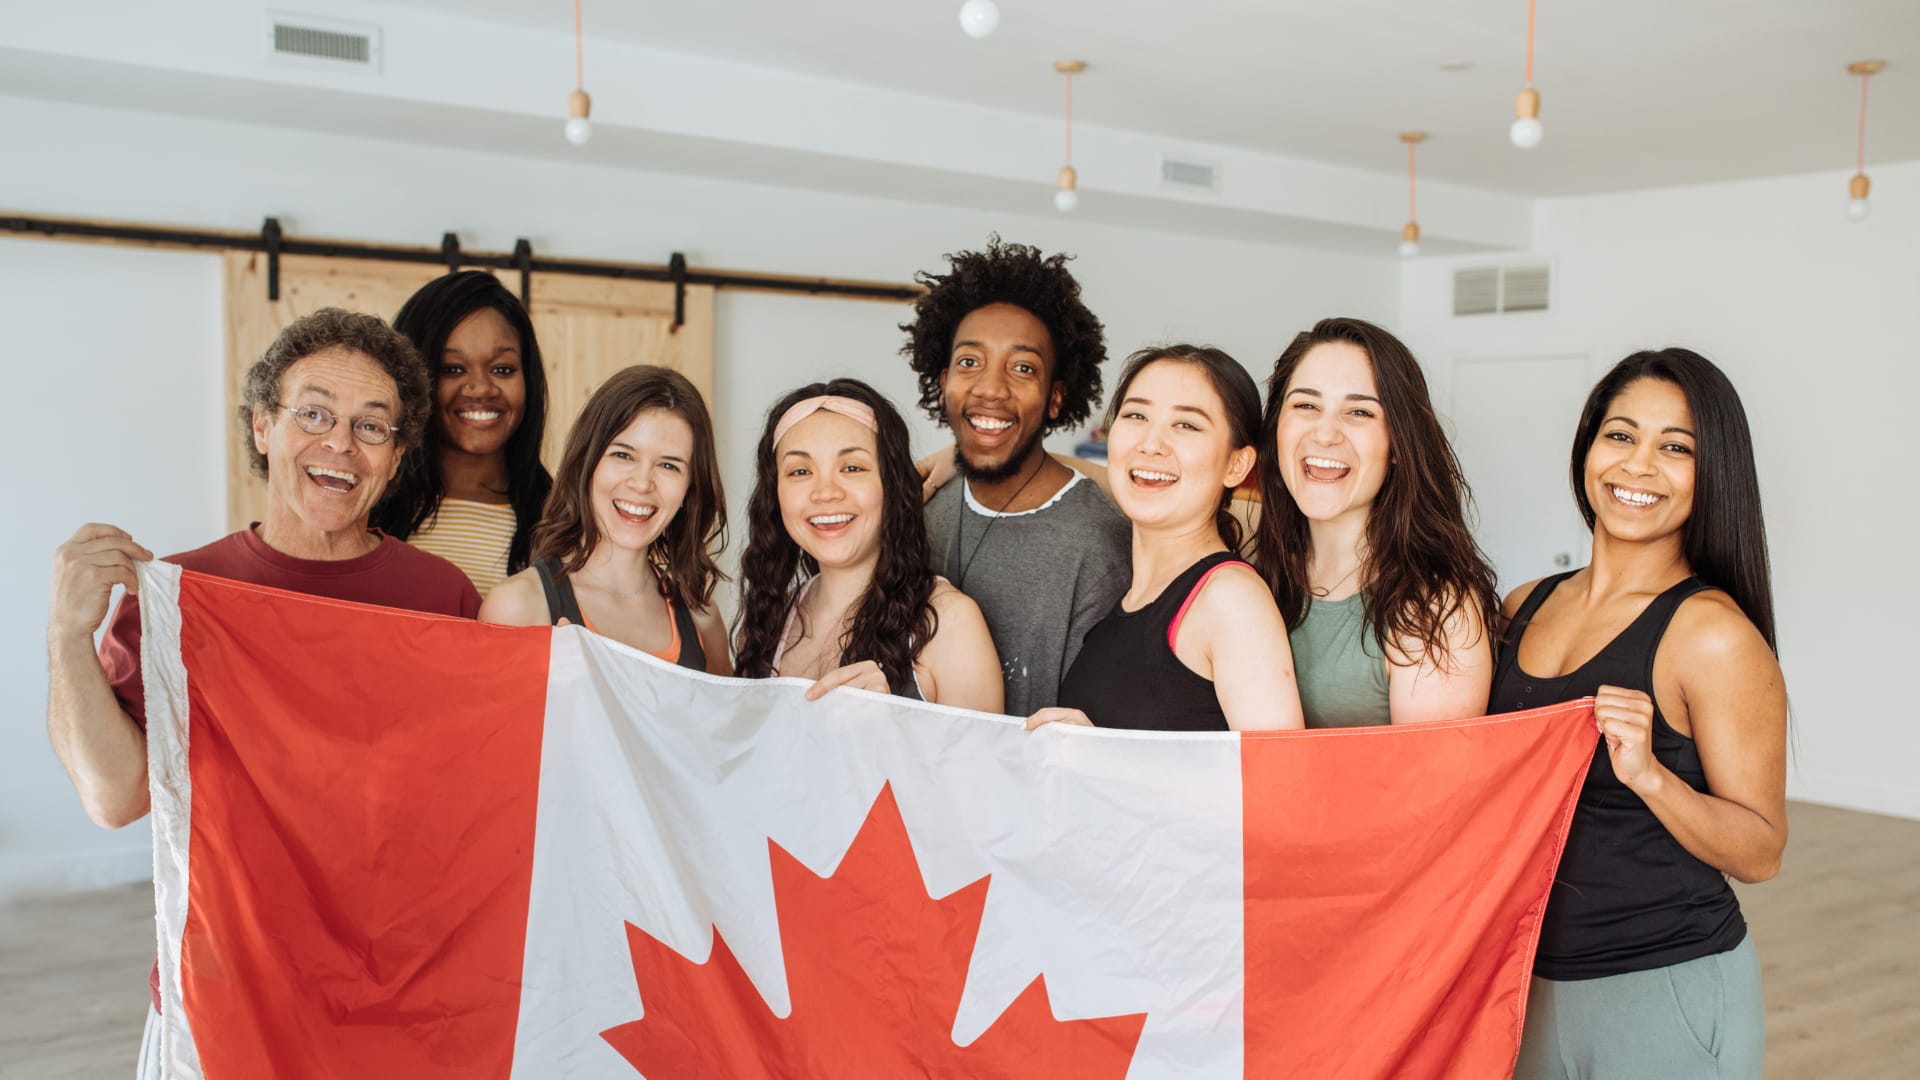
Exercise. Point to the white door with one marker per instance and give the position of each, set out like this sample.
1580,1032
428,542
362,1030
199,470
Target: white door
1513,420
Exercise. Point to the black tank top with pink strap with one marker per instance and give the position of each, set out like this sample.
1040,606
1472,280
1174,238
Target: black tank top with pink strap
1127,676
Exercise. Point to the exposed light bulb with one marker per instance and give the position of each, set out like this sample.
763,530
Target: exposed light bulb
1409,248
1857,206
1066,193
1526,130
579,105
979,17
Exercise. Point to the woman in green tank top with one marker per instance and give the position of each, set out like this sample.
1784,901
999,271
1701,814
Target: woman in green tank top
1363,536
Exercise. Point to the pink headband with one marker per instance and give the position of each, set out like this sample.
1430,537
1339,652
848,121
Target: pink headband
853,410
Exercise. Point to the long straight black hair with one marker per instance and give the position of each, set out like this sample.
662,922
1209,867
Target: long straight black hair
1725,537
428,318
894,619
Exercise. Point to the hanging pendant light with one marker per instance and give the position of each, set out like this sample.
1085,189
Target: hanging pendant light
1857,205
579,105
1526,130
979,17
1066,193
1410,236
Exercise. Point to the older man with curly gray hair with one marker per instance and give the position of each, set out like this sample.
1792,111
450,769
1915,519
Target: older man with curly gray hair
327,414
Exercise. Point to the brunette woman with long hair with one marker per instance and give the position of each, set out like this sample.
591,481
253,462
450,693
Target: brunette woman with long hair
626,546
836,582
1362,536
473,491
1195,643
1644,966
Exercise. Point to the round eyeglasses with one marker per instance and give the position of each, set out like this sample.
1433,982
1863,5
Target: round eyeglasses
316,420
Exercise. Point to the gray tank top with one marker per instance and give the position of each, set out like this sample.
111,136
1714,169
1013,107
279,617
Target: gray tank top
1342,676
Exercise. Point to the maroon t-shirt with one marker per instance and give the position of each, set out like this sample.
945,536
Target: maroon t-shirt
395,574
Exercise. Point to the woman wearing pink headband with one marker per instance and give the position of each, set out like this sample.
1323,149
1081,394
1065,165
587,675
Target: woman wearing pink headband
836,582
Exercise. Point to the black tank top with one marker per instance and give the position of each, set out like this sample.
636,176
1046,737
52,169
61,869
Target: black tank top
563,604
1126,674
1627,896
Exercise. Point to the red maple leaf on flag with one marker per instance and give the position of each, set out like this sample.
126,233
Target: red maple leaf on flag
875,968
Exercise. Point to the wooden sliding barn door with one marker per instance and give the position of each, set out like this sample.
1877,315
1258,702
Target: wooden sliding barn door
588,329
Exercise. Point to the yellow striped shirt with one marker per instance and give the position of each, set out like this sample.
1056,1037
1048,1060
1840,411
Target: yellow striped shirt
473,536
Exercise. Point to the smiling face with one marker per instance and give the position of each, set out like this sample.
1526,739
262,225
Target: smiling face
480,388
830,490
999,391
641,479
1169,448
1640,468
320,488
1332,439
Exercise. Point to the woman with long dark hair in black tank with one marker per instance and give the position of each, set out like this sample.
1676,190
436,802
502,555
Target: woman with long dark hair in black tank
1195,643
1644,967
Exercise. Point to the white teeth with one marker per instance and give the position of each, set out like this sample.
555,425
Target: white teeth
1150,475
633,509
1634,498
830,519
479,414
984,423
334,474
1326,463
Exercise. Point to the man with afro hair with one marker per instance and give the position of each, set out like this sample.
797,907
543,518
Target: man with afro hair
1007,353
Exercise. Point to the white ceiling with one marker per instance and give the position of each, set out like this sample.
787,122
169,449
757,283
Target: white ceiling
1637,93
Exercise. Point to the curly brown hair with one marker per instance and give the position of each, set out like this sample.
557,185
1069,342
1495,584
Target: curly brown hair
337,328
1008,274
895,619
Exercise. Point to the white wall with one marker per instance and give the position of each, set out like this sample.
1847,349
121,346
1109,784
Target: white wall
1817,322
106,336
112,354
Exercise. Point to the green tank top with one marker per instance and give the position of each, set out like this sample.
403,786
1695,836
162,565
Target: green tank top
1342,676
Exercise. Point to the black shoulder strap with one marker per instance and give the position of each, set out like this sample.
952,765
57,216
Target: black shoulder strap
1510,637
692,654
1653,621
561,603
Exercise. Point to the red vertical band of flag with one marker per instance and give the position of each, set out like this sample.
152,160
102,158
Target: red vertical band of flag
1395,879
367,779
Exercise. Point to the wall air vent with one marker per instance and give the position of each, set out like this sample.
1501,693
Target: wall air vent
316,41
1476,292
1502,290
1188,174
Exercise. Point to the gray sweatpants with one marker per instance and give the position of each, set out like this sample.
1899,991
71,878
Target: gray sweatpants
1699,1020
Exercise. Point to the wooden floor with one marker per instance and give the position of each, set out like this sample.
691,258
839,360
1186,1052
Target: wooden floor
1838,933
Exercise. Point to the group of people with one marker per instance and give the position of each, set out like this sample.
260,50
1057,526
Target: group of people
403,468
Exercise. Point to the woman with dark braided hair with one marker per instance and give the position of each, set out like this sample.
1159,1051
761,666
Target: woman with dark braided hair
836,582
1363,536
473,491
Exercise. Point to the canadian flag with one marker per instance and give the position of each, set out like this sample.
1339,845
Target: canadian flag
395,845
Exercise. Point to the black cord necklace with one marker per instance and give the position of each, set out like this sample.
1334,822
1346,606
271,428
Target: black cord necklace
960,522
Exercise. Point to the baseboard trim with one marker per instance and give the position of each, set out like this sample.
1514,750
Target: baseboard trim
1891,799
50,875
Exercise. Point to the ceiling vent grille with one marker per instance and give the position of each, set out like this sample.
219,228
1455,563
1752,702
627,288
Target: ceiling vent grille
315,41
1502,290
1187,174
